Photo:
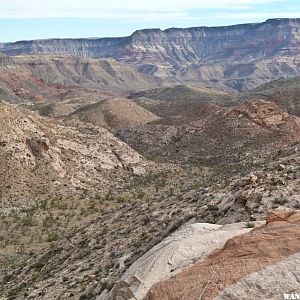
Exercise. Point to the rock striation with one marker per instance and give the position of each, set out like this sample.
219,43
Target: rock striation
261,263
177,45
234,57
174,254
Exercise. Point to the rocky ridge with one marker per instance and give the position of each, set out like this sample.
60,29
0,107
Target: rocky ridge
284,92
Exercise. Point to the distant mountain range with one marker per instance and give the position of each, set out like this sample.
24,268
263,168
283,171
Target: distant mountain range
235,57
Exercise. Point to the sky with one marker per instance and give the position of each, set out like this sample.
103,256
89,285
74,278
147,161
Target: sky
40,19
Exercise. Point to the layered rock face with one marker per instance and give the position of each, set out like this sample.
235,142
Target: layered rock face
203,44
236,57
78,47
171,256
59,77
57,85
259,264
207,261
176,45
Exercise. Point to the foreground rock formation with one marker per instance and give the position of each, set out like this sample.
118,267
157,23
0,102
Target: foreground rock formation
176,253
206,261
263,263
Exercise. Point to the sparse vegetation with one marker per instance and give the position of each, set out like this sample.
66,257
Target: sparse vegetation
250,225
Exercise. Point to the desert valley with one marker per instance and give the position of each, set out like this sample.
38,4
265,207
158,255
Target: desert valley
160,166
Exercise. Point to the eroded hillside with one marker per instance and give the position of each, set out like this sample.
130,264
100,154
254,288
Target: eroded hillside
40,157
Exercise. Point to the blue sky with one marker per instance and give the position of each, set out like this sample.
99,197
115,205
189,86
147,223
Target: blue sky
33,19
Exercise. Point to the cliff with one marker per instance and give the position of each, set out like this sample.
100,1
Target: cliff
177,45
235,57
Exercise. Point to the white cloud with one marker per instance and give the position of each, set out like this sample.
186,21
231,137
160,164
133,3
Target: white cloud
116,8
263,16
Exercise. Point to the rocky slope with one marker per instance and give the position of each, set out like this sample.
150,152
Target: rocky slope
224,137
54,178
114,114
40,157
92,259
235,57
181,104
58,85
286,93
